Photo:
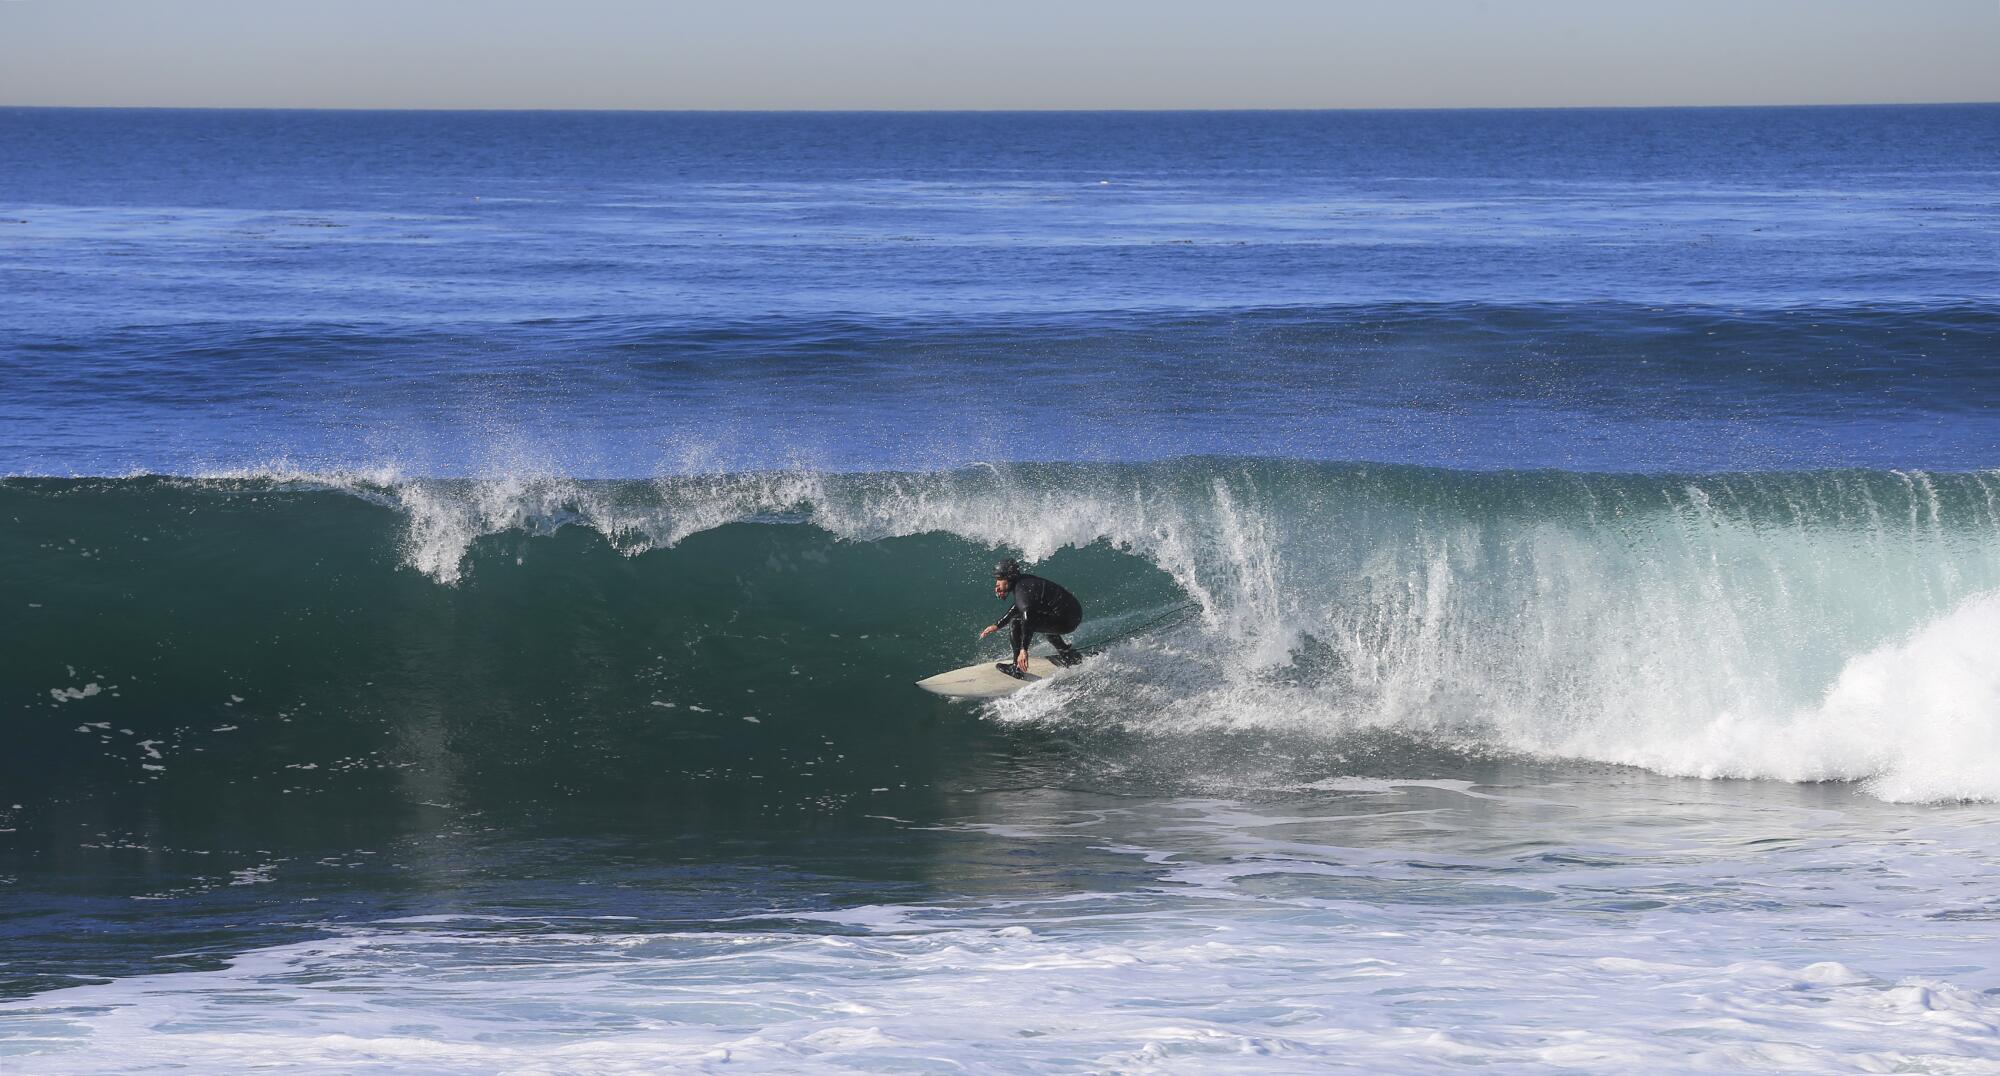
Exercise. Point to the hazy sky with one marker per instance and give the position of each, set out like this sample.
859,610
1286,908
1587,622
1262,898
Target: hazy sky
996,54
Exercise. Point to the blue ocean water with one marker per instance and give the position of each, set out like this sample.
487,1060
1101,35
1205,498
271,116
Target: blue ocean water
462,574
630,294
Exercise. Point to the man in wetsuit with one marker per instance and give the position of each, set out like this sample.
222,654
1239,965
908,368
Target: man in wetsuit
1040,608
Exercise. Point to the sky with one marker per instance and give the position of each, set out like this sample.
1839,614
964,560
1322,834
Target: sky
998,54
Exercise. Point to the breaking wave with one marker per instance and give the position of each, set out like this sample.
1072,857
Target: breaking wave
1793,626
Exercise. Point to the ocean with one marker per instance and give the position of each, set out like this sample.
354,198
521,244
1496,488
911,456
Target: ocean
462,576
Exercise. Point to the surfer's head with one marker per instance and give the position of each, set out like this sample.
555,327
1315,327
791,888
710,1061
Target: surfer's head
1004,574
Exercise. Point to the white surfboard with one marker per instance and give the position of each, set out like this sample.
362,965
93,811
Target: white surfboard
985,681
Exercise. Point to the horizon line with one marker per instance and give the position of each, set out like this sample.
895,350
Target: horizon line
989,111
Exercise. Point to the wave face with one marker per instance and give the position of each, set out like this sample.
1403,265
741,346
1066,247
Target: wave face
239,639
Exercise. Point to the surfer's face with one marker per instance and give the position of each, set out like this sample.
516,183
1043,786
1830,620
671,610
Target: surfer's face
1000,588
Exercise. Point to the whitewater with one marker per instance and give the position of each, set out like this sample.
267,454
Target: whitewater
1293,930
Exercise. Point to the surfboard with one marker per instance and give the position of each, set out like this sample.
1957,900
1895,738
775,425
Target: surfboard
984,681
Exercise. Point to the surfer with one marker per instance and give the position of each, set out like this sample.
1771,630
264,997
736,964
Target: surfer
1041,607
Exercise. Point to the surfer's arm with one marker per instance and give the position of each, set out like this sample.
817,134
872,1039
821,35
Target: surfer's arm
1012,612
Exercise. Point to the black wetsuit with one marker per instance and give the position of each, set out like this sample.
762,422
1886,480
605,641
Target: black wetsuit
1043,608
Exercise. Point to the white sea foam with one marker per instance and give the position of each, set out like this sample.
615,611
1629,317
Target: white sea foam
1630,934
1917,718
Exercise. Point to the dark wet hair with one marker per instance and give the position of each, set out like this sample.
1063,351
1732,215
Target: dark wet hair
1009,569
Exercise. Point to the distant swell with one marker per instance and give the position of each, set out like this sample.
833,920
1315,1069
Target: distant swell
1798,626
1580,385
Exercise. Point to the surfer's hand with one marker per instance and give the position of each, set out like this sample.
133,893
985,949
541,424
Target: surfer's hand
990,629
